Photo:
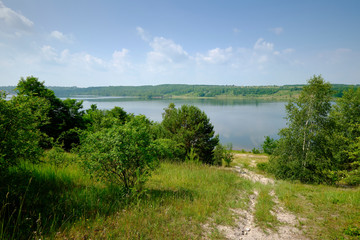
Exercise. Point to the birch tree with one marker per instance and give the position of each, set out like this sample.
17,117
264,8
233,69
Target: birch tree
303,151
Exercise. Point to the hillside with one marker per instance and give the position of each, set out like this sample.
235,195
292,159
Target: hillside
188,91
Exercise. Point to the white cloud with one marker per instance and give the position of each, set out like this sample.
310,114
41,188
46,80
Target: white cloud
169,49
165,54
261,44
277,30
80,60
143,34
61,37
49,53
13,23
119,60
216,56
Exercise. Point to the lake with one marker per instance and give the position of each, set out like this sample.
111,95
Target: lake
244,123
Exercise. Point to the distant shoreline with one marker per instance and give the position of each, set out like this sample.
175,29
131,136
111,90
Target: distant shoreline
183,91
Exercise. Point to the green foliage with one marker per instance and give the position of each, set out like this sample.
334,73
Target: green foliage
191,128
19,121
59,158
303,148
264,166
228,155
97,119
346,138
352,231
123,155
222,154
62,115
255,151
219,153
192,157
269,145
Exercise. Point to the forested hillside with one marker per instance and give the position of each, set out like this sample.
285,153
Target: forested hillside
183,90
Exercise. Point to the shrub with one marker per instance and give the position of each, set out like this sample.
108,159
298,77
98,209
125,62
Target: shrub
223,153
262,166
255,151
219,154
124,155
269,145
228,155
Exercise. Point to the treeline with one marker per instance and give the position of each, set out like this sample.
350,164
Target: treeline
321,143
171,90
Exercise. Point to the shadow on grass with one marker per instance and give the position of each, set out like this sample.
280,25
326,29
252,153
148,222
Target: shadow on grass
162,195
37,202
34,202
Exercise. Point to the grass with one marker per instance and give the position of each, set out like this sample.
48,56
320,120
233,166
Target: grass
179,200
64,202
327,211
324,212
264,207
44,201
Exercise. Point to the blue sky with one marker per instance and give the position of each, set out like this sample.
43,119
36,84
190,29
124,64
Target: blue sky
110,43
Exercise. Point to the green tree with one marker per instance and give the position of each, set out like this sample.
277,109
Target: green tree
345,141
303,148
121,154
63,115
346,116
191,128
19,121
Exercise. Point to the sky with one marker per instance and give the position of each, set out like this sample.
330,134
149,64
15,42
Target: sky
130,43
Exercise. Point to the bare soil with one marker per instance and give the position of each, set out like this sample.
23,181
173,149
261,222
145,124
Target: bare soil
246,227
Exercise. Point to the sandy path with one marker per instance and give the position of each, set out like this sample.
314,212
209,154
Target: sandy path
246,227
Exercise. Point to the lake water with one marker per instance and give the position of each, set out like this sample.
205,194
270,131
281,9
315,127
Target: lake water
244,123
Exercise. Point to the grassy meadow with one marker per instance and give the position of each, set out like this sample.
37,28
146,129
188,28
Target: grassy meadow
179,201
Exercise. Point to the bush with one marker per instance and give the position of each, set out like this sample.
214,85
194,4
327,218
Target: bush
228,156
223,153
255,151
269,145
262,166
219,154
124,155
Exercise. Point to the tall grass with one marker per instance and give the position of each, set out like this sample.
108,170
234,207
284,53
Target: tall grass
64,202
53,199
